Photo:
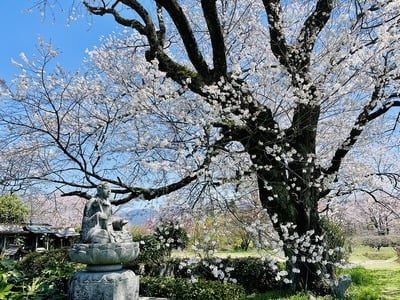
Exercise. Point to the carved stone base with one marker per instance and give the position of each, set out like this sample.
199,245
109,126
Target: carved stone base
114,285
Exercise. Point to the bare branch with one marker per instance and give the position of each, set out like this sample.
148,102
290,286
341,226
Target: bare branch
216,35
152,193
186,33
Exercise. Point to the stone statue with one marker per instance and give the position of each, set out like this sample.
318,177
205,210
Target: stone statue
98,224
105,246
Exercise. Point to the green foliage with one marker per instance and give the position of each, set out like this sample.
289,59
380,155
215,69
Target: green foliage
254,274
33,264
360,276
5,286
151,255
46,275
14,285
335,239
155,248
275,294
368,293
364,285
182,289
12,209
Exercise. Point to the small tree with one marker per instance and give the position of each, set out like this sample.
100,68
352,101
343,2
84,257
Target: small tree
12,209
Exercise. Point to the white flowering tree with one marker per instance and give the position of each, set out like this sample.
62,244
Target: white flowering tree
379,210
298,97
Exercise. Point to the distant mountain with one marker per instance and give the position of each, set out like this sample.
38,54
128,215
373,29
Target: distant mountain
138,216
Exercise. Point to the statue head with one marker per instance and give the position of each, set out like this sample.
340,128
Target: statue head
103,190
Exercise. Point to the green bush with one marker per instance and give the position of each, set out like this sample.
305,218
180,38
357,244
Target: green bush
151,256
7,286
335,238
254,274
45,275
182,289
33,264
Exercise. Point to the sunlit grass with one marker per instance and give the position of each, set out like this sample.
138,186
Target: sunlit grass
385,258
375,275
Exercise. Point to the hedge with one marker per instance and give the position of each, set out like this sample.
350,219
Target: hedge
183,289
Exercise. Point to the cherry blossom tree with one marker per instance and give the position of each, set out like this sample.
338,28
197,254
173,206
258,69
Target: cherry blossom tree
360,211
297,97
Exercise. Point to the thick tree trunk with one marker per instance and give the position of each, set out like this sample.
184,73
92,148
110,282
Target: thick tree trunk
290,192
298,226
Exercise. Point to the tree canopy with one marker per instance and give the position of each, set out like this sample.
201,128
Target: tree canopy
12,209
295,99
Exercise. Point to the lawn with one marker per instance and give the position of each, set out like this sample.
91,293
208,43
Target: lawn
376,276
384,269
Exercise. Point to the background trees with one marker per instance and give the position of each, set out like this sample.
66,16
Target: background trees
12,209
294,99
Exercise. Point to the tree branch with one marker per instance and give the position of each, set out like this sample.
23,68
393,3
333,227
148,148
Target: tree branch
382,110
132,23
364,117
174,70
278,40
152,193
216,36
312,27
186,33
77,193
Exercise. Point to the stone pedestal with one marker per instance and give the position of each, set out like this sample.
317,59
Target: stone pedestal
104,278
104,285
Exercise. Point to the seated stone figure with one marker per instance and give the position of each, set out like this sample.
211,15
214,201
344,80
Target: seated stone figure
98,225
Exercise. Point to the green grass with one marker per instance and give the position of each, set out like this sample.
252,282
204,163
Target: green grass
364,253
385,258
374,284
376,276
281,295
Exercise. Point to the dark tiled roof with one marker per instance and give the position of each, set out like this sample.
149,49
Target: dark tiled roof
36,229
11,229
40,229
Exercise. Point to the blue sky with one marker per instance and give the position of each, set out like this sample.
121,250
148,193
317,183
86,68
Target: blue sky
20,32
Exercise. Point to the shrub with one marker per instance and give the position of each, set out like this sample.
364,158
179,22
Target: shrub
7,286
151,255
254,274
46,275
335,238
183,289
33,264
